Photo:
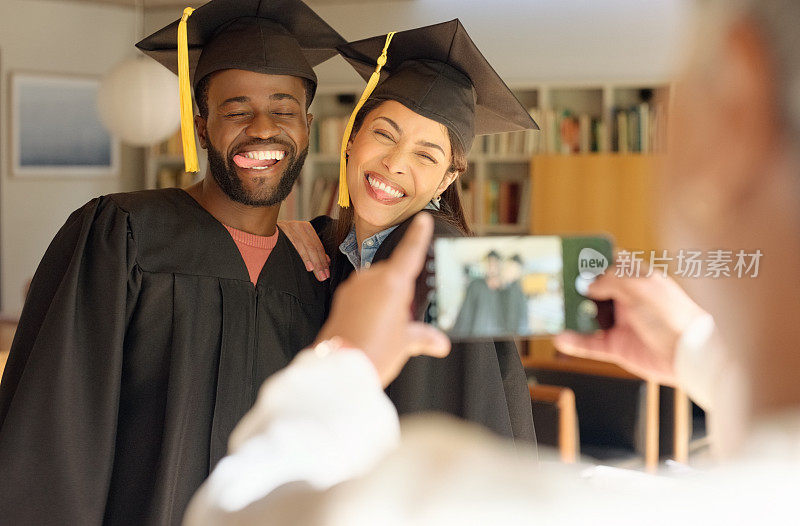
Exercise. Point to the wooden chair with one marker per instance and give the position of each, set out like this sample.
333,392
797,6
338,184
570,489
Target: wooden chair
563,398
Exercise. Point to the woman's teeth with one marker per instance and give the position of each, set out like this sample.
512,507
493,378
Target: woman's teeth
384,188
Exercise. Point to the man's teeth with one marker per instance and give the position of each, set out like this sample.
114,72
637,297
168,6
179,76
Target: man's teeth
383,187
265,155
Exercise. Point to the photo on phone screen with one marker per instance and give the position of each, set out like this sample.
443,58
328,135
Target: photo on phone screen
510,286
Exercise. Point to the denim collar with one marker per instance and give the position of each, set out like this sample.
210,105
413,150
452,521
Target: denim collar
363,258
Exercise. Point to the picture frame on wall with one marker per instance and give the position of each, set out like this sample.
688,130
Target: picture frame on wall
56,129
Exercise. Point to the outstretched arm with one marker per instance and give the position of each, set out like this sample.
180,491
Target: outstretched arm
659,334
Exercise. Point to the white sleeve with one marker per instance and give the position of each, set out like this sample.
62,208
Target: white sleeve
712,376
322,420
698,361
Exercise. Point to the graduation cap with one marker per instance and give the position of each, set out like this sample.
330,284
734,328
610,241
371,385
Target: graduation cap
279,37
438,72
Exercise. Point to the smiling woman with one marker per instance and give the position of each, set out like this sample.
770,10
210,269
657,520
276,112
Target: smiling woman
408,145
399,163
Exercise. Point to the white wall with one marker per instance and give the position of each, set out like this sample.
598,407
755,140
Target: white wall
527,41
61,37
530,41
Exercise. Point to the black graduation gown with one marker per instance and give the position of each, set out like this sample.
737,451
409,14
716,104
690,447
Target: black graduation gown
142,344
483,382
515,308
481,312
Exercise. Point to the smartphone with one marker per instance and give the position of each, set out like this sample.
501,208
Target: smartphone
516,286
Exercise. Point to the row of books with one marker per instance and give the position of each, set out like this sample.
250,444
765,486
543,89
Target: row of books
502,201
638,129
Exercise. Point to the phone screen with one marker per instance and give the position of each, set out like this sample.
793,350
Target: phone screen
517,286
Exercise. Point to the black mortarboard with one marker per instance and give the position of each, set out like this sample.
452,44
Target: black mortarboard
279,37
438,72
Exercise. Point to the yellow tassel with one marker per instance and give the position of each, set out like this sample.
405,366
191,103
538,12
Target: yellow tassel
344,194
185,90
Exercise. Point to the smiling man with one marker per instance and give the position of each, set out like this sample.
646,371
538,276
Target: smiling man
155,316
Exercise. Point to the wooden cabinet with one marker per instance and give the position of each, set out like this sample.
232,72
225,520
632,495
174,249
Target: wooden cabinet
593,193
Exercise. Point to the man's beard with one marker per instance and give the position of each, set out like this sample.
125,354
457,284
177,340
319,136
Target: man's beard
227,179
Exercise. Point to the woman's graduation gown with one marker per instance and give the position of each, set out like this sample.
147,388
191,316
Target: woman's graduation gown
483,382
142,344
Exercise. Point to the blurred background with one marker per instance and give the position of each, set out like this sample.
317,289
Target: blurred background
596,75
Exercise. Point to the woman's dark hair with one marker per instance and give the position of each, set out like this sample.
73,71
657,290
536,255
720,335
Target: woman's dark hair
450,208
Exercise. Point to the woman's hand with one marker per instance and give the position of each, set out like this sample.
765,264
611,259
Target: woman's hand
308,245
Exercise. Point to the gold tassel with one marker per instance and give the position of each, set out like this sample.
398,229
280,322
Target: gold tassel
185,90
344,194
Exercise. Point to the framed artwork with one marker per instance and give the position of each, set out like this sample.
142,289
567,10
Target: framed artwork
56,129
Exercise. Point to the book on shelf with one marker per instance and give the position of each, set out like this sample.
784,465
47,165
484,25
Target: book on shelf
621,132
639,129
586,130
490,202
502,202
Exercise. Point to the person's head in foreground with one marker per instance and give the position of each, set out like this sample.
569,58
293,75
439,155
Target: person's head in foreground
410,139
251,70
734,183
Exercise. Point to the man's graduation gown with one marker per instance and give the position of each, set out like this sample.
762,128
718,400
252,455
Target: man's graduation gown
141,345
483,382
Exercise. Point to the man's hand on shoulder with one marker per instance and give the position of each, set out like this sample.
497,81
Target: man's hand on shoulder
309,246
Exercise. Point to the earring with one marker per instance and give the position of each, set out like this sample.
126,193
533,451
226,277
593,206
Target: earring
436,202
